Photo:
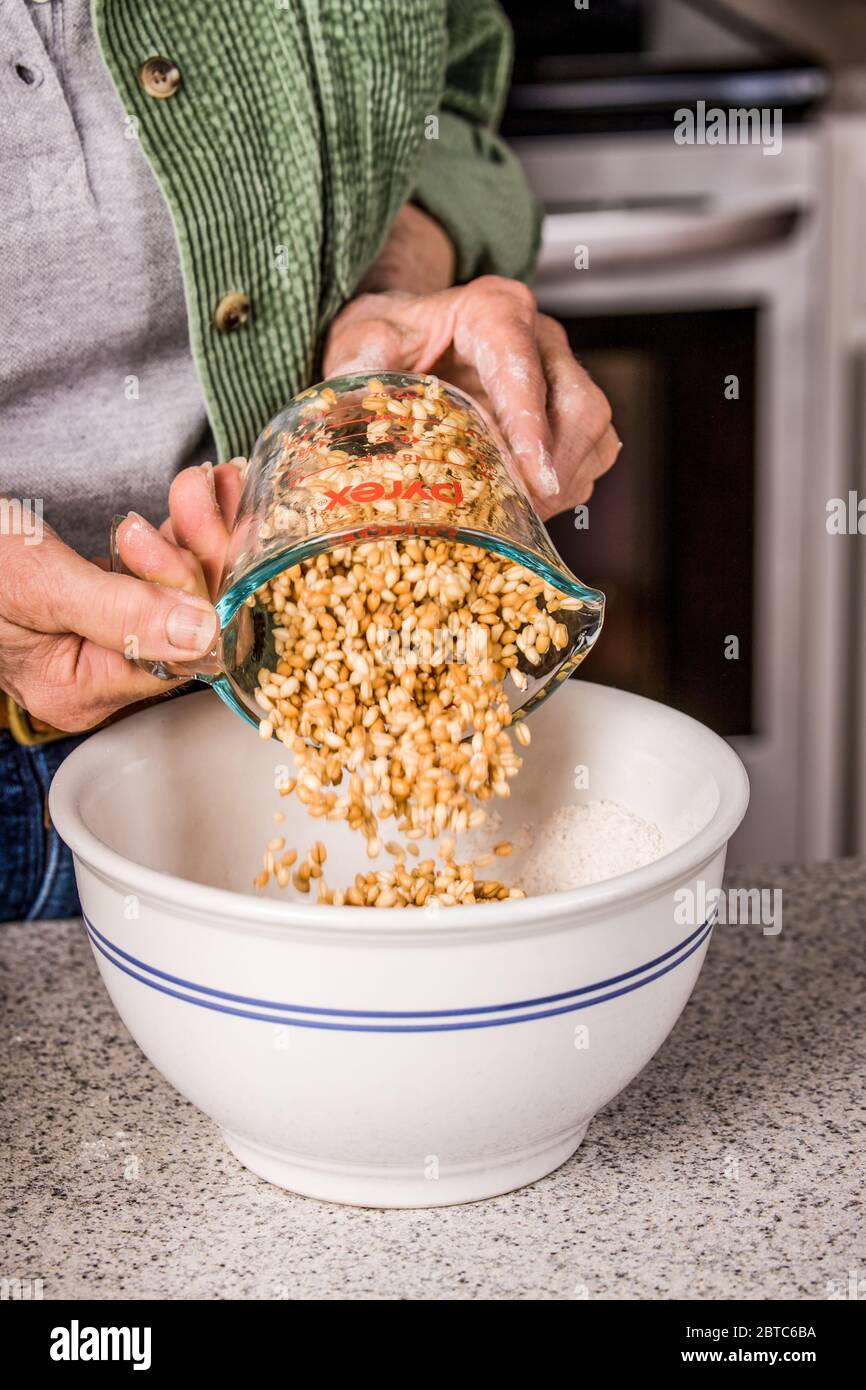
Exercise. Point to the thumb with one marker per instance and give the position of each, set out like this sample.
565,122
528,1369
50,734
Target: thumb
129,615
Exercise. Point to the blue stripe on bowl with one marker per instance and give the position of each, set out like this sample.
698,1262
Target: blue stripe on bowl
692,943
376,1013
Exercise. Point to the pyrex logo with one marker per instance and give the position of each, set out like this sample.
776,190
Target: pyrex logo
449,493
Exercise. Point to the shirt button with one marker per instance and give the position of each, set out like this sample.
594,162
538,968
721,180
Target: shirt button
31,77
159,77
232,312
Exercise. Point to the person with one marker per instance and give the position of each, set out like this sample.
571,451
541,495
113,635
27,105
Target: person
208,207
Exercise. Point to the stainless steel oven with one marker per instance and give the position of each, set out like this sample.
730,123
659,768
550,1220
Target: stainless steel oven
687,278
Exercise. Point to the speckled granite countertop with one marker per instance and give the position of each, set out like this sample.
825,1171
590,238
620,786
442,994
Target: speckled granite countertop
731,1168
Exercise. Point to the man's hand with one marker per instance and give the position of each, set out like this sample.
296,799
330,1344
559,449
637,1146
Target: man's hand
489,338
67,629
188,551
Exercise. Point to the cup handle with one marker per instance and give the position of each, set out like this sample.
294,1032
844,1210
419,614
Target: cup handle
206,668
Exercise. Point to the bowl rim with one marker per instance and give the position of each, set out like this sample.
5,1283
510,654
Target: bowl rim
247,913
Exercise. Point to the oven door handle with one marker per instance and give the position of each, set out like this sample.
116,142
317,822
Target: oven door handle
623,240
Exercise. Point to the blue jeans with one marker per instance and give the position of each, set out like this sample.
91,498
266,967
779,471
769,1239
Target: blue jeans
36,874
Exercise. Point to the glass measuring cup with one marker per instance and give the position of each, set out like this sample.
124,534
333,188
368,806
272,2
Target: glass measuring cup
360,458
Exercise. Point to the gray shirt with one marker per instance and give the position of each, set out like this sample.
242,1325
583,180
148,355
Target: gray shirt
100,404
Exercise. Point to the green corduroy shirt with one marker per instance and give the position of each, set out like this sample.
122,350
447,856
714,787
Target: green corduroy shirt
298,130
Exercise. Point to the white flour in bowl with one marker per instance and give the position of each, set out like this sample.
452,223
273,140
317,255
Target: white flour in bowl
576,845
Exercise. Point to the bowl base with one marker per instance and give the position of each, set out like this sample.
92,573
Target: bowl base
358,1185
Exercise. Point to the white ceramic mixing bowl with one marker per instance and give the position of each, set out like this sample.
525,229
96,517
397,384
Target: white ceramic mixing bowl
391,1058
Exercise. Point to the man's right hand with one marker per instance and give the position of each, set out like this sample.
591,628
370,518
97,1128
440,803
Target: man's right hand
68,630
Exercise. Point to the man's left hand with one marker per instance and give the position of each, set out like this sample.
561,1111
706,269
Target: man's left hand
489,338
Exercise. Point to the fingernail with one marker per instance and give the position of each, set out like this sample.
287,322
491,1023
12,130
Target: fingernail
207,469
190,628
548,483
139,520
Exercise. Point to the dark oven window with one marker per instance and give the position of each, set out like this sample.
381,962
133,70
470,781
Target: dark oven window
670,537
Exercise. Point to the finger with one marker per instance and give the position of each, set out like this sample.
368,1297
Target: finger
229,483
585,443
65,593
604,454
578,487
197,520
497,332
151,556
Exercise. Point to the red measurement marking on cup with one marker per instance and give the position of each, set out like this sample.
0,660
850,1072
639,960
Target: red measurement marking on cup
361,460
397,424
377,530
364,460
343,420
